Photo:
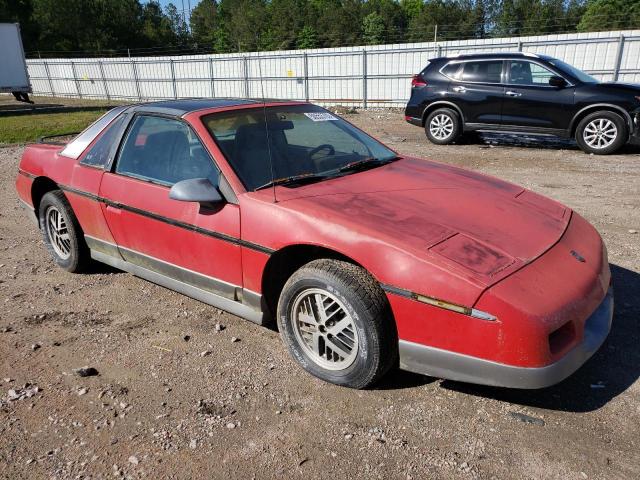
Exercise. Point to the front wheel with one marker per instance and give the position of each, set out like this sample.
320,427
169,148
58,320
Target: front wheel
442,126
336,323
601,133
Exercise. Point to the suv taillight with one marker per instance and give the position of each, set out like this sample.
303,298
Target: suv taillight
418,81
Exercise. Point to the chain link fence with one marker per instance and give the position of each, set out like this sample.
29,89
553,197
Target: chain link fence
371,76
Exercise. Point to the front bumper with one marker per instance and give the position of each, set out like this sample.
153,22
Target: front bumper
464,368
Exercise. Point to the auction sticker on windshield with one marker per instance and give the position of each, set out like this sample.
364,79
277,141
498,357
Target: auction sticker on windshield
320,116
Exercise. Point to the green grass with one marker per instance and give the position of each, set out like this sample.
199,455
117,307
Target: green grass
29,128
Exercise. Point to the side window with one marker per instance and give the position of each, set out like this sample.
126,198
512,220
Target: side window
527,73
165,151
481,72
98,155
451,70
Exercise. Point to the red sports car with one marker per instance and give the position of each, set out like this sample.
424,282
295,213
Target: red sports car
366,258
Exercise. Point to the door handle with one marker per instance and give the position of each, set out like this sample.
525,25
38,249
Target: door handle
459,89
511,93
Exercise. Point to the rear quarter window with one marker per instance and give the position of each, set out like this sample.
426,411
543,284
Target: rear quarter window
99,154
451,70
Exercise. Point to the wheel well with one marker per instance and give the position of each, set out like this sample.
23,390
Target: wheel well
283,263
41,186
597,108
434,106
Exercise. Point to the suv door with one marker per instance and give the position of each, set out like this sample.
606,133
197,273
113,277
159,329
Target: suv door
180,240
531,102
476,87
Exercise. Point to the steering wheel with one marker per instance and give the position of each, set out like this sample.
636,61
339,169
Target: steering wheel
324,146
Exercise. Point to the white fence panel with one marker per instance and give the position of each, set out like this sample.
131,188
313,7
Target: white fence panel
377,75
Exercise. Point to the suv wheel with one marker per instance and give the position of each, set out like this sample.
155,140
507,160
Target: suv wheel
601,133
442,126
336,323
62,234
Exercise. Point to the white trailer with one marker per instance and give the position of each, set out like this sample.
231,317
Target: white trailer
13,67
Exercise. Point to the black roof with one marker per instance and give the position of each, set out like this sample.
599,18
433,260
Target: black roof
181,107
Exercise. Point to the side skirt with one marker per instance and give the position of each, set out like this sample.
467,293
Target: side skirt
498,128
231,306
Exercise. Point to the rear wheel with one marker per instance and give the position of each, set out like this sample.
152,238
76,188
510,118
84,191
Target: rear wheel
601,133
62,234
336,323
442,126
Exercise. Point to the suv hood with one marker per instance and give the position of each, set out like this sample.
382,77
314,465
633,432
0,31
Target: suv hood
630,88
481,226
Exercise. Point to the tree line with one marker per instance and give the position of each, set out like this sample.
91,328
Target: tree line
113,27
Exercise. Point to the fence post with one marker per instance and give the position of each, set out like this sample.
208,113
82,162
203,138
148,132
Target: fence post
135,77
104,80
75,79
618,64
306,77
173,79
519,45
245,63
213,88
364,79
46,69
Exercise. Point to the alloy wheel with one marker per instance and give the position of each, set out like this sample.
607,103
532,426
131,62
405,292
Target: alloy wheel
324,329
56,226
441,126
600,133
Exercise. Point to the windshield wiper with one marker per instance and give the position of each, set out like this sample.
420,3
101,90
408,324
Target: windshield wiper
294,179
365,163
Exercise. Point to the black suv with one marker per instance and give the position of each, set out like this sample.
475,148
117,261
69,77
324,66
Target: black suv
525,93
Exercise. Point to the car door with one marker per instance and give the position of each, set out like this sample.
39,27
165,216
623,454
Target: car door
531,102
185,241
476,87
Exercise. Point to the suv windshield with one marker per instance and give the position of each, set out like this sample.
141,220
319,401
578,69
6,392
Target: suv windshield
306,143
573,71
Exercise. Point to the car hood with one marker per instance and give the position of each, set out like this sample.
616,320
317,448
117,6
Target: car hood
473,223
630,88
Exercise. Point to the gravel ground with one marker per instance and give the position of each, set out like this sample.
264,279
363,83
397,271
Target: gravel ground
187,391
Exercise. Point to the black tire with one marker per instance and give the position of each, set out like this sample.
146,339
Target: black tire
621,132
78,257
367,305
450,118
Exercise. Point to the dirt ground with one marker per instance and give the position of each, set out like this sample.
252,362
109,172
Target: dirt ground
161,407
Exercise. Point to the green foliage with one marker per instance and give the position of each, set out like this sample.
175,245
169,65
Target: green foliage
610,15
113,26
307,38
29,128
373,29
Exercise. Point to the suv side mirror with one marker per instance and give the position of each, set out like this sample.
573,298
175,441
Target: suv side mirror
556,81
199,190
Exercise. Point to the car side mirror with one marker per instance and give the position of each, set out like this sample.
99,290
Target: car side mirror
556,81
199,190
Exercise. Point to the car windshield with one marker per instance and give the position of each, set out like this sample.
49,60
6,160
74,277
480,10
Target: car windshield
573,71
302,143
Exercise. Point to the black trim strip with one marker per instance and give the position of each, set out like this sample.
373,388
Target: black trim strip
397,291
26,174
170,221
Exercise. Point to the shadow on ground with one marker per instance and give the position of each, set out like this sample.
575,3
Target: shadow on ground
495,140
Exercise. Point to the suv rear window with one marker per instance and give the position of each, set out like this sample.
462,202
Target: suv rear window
481,72
451,70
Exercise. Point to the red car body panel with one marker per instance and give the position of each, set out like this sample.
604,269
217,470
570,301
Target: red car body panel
419,227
